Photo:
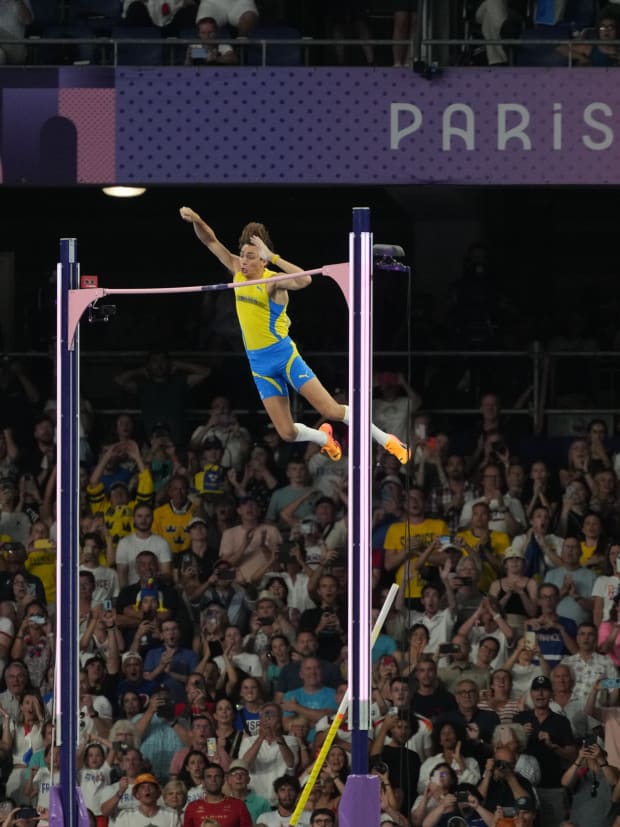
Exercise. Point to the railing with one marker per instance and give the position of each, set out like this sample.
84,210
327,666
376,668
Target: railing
543,393
106,49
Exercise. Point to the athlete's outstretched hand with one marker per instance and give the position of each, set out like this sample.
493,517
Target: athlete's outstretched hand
263,251
188,214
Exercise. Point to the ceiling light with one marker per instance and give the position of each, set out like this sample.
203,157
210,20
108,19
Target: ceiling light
124,192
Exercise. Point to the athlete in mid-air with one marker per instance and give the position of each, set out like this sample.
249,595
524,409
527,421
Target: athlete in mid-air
273,356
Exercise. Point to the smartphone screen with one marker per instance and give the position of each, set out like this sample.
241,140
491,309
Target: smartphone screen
530,640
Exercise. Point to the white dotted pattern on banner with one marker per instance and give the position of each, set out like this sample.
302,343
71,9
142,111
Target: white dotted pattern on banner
333,125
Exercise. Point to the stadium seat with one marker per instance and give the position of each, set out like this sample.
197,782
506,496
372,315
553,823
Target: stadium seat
287,54
135,54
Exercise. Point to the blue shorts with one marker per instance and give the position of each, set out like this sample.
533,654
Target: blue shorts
277,366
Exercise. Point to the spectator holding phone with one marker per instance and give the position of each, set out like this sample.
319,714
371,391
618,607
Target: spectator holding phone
591,781
34,643
442,784
267,620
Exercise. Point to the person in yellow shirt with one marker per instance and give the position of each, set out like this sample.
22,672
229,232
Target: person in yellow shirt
274,359
405,541
488,546
594,543
116,506
171,519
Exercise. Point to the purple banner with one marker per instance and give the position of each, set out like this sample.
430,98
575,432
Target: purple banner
298,125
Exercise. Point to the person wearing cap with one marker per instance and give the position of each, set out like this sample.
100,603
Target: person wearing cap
117,506
251,546
212,479
515,593
226,810
168,601
238,786
195,565
140,539
132,676
147,790
224,426
551,741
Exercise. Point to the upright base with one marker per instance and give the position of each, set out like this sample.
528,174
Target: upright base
360,803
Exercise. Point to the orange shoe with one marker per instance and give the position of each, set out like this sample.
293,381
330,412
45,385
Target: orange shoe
398,449
331,447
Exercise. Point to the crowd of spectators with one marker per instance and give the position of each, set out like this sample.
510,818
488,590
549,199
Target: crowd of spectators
213,618
341,23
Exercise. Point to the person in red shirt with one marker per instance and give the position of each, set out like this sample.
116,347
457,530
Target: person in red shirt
227,811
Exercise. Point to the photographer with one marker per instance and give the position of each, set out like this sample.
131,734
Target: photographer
160,733
463,808
500,784
329,620
394,761
591,781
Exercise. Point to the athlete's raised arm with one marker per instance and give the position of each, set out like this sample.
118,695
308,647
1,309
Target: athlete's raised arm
209,239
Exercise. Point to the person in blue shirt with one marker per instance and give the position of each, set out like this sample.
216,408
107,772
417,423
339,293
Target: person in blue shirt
312,700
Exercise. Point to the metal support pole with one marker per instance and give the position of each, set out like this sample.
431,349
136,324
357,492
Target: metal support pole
67,503
360,801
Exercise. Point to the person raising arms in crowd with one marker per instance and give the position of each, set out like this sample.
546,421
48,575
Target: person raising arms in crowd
273,356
